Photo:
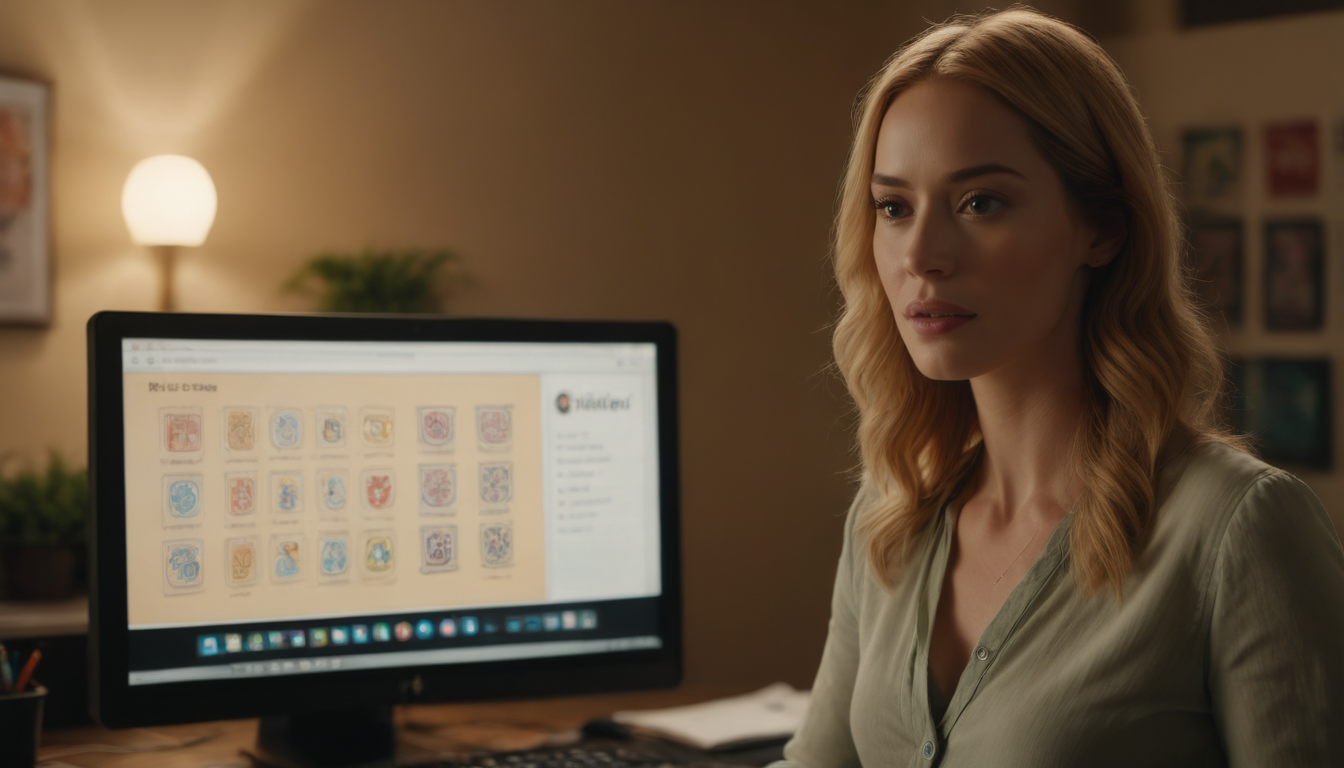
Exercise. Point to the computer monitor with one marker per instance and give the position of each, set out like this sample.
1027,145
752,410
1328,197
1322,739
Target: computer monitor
303,514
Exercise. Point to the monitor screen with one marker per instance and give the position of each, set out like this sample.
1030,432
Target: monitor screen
296,507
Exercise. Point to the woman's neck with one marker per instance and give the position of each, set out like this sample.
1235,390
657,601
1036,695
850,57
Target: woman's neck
1029,418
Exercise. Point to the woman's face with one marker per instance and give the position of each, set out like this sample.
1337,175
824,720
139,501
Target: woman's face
981,254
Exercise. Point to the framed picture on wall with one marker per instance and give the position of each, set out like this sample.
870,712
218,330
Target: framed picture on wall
25,285
1337,147
1216,265
1293,155
1294,279
1284,406
1196,13
1212,162
1234,396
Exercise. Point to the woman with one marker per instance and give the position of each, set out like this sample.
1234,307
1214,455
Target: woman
1057,557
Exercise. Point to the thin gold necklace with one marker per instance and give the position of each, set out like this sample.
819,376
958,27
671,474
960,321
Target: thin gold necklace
1019,555
974,483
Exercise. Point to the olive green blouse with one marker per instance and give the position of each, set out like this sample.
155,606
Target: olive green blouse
1227,649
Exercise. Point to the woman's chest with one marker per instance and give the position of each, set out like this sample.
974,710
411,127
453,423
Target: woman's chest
1058,678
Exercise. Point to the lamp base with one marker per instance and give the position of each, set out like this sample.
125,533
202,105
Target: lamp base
167,255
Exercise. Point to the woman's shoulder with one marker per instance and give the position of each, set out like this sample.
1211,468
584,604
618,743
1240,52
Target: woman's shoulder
859,528
1211,486
1205,466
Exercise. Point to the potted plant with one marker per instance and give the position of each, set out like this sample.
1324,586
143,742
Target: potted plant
415,281
43,517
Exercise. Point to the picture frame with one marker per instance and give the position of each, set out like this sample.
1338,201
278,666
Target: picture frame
1216,258
1294,277
1293,158
1197,13
1213,162
1337,150
25,271
1285,406
1234,403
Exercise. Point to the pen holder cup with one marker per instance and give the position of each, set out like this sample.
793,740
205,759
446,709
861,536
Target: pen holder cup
21,727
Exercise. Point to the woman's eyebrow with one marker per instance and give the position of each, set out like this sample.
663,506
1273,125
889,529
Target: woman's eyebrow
982,170
889,181
882,180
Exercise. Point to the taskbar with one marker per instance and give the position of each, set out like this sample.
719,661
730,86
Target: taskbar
407,658
470,631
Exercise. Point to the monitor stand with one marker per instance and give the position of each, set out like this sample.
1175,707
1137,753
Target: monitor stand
346,738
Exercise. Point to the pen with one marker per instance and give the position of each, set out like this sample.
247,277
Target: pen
27,671
6,677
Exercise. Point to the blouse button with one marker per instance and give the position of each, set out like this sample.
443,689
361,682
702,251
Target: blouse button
928,750
982,653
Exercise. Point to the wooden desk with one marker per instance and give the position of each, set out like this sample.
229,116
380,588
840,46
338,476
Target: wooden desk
427,730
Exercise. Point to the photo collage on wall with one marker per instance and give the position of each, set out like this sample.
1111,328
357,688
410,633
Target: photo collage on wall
1234,216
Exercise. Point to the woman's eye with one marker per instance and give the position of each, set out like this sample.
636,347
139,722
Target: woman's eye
983,204
891,209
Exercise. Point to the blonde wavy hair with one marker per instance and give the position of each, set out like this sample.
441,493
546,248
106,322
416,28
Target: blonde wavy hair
1151,365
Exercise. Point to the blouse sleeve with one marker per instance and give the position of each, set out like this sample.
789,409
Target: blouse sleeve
824,739
1276,664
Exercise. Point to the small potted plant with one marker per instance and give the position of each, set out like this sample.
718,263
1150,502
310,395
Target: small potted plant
43,517
414,281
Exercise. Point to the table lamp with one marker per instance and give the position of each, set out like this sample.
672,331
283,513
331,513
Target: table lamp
168,201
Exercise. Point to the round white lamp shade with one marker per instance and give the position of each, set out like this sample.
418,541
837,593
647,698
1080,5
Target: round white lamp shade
169,200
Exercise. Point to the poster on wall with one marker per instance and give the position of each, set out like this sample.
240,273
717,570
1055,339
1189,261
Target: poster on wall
25,291
1196,13
1212,162
1294,279
1216,263
1337,143
1284,406
1293,154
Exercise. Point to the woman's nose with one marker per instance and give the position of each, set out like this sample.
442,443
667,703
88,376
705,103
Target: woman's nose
929,252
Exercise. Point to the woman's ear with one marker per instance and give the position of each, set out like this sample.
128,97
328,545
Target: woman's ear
1112,232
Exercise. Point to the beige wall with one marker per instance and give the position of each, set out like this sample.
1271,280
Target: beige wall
1248,74
589,159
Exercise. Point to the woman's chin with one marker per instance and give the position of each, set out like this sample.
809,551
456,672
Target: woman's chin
944,370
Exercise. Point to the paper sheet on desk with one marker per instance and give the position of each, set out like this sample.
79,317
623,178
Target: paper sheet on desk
774,712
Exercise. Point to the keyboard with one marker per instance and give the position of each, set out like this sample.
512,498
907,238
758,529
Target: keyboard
632,754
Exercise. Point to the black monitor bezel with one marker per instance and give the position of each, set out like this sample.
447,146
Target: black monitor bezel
117,704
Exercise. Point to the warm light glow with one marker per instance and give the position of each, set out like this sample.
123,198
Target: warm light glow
169,200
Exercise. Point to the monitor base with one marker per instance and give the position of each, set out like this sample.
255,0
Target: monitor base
347,738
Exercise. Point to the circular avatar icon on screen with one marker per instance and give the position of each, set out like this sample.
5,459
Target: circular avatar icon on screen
562,402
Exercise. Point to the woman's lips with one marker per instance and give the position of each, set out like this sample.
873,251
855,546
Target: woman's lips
930,317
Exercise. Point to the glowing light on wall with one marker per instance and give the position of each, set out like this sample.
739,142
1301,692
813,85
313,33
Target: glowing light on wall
169,201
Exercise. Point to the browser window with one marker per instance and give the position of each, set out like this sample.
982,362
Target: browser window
298,507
